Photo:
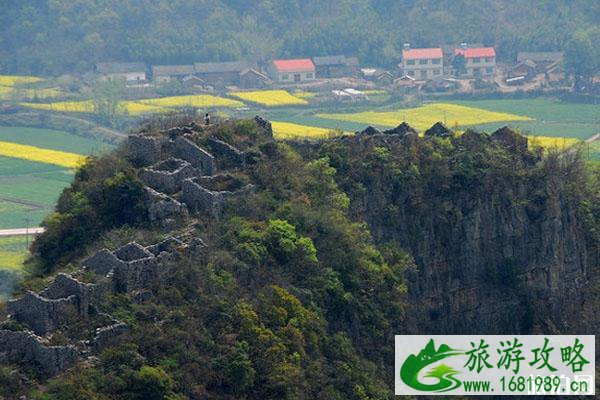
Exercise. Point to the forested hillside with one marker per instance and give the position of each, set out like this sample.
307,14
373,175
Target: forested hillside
56,36
295,288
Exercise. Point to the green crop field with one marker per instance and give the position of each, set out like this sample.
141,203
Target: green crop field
51,139
13,250
29,190
551,117
594,151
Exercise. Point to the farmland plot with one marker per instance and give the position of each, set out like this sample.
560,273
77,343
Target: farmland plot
270,98
425,116
196,101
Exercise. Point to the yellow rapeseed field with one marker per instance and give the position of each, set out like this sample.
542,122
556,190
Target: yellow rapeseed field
8,92
12,80
548,142
424,117
5,92
63,106
270,98
287,130
374,92
304,95
136,108
197,101
32,153
141,106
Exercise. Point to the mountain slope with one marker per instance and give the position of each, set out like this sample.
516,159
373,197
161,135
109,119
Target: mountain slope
257,275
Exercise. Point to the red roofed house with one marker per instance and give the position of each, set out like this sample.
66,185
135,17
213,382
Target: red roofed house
299,70
479,61
422,64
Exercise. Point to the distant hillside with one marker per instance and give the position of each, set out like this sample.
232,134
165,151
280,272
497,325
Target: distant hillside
51,37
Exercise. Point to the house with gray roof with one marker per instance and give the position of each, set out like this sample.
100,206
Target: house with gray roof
128,71
161,73
226,73
336,66
541,56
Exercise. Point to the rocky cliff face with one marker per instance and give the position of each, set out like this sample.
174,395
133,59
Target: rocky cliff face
495,231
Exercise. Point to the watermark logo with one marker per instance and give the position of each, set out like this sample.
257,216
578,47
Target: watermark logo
499,365
414,364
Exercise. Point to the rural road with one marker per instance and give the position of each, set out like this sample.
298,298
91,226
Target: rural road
593,138
20,231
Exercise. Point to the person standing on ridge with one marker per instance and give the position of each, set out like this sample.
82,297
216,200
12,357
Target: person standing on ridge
206,119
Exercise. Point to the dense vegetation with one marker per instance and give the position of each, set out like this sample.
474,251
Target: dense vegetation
293,298
58,36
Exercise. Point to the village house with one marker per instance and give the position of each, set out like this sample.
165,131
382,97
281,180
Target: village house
525,69
555,74
379,76
479,61
223,73
549,63
251,78
194,83
541,58
163,73
336,66
422,64
287,71
127,71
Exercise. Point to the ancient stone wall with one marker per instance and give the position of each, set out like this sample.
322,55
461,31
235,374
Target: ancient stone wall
109,336
166,176
144,150
200,199
65,286
187,150
102,263
264,125
163,209
228,155
17,347
44,315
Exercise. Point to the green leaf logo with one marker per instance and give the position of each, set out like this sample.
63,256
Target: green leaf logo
413,365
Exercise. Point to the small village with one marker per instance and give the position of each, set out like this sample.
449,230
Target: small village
448,70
